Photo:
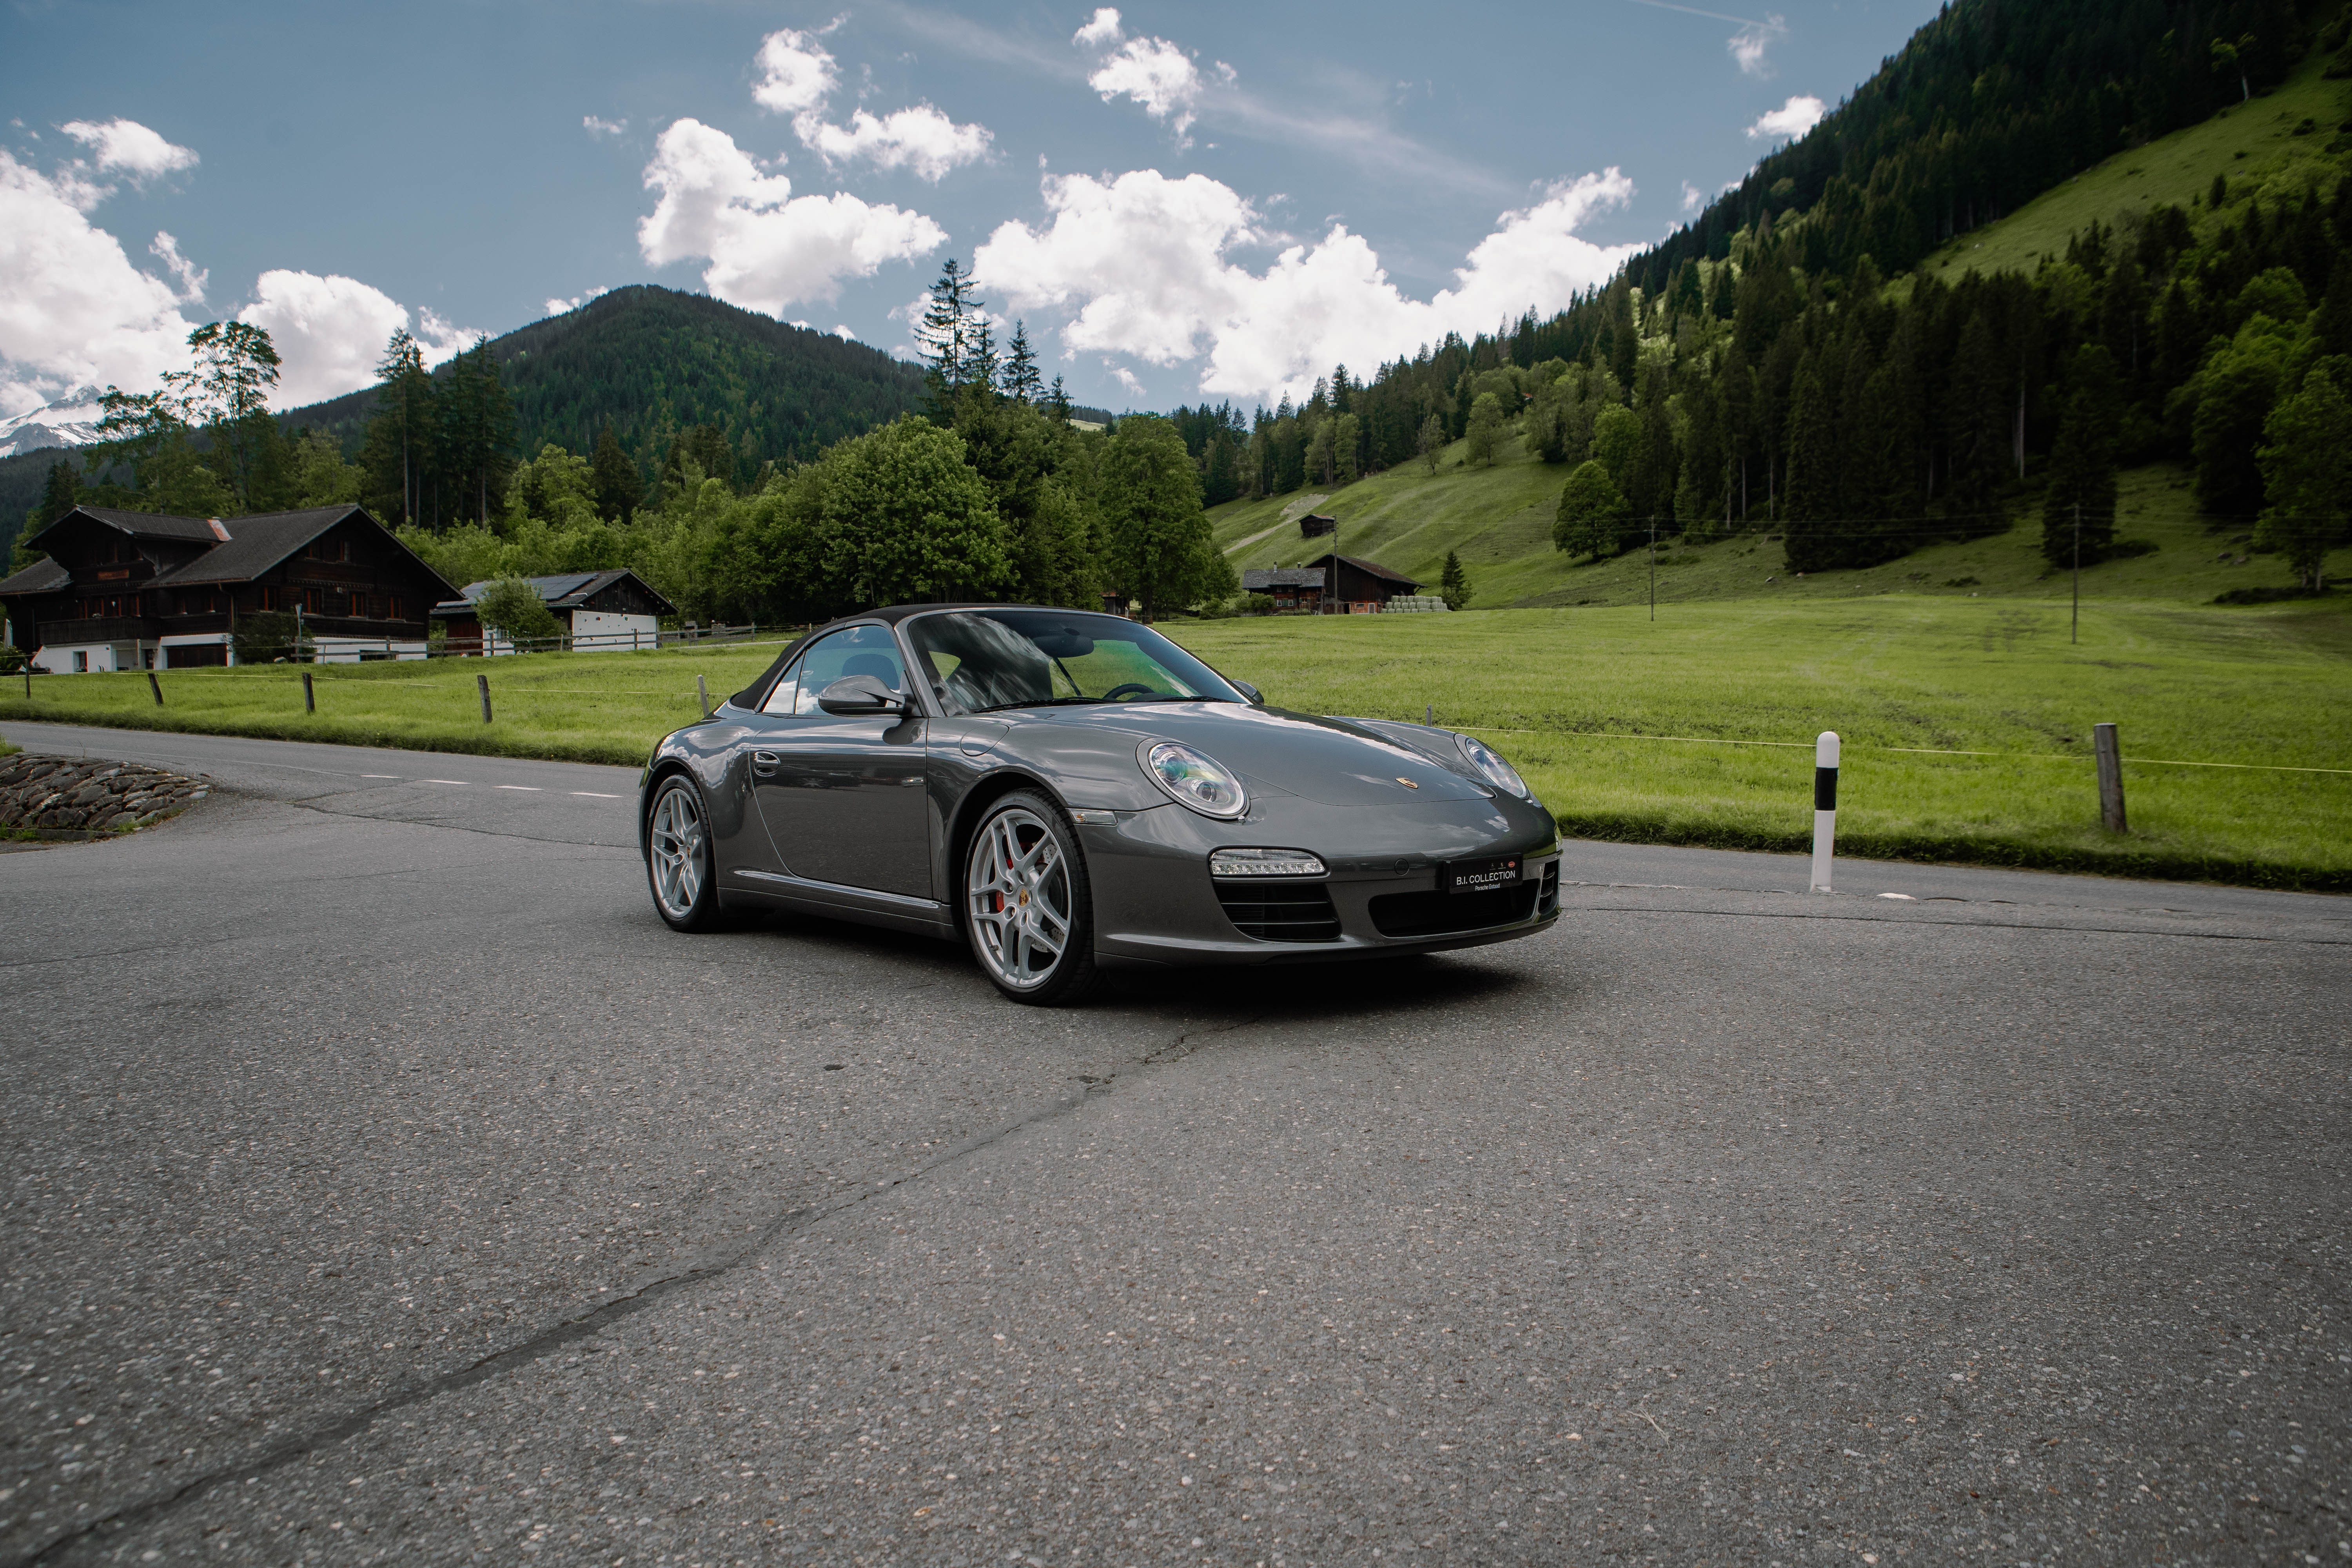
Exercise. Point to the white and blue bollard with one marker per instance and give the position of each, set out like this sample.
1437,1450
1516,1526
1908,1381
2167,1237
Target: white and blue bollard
1825,772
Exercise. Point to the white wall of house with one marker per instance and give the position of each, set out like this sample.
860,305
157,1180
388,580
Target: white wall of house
599,631
352,650
92,658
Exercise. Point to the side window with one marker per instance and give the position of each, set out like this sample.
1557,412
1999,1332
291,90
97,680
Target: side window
779,696
853,650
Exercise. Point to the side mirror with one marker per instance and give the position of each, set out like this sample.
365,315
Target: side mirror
1256,698
855,694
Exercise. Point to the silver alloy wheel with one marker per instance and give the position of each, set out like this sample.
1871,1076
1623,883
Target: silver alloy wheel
676,842
1017,895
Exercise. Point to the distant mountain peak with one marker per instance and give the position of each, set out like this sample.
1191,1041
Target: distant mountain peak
69,420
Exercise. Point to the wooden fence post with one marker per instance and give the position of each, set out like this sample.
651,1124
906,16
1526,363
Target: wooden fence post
2111,776
156,687
482,684
702,690
310,698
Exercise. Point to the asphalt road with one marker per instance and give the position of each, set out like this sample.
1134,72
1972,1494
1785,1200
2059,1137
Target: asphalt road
385,1181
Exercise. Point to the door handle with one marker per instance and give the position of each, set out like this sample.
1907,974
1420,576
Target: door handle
765,762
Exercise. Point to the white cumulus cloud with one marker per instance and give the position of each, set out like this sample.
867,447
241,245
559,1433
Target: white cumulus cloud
74,311
1789,121
766,248
1691,197
556,307
1747,45
192,278
1140,265
126,147
330,331
796,73
595,127
920,138
1101,30
1156,74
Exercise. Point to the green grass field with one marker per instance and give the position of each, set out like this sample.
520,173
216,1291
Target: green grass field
1582,701
581,708
2254,144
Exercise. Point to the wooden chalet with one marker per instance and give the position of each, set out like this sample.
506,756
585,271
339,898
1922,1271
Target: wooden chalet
1315,524
134,590
1361,582
612,611
1290,587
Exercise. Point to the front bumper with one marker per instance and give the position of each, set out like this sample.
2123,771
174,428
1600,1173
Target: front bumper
1155,903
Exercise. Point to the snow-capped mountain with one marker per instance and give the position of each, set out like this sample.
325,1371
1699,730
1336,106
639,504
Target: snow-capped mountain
70,421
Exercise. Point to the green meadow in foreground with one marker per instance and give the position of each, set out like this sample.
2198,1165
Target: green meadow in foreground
1618,722
575,707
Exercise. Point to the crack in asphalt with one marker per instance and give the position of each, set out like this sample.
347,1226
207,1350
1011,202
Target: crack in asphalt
707,1265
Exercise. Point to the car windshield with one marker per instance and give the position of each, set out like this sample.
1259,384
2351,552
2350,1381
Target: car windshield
985,660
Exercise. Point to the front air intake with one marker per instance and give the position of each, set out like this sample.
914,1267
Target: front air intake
1437,914
1274,912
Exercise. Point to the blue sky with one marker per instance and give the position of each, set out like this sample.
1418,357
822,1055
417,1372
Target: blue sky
1216,199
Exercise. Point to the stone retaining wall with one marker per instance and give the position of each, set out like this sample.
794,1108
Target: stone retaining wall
73,796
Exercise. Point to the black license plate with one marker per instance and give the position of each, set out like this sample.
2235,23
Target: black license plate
1478,875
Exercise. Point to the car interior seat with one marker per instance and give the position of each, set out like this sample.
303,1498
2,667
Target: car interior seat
880,666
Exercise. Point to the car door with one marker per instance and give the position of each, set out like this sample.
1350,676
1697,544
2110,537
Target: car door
842,795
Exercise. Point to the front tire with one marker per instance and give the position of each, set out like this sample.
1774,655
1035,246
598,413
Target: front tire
678,857
1028,905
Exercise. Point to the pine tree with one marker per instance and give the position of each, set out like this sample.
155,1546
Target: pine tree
1022,382
945,334
1454,582
401,433
618,490
2082,463
1976,435
1811,505
1058,402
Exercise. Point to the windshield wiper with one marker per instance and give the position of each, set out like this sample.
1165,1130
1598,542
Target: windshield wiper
1036,702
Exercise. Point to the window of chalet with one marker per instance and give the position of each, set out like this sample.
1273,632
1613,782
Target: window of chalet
392,606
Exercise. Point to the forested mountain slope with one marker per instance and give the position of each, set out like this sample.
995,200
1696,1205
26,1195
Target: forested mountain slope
655,362
1768,368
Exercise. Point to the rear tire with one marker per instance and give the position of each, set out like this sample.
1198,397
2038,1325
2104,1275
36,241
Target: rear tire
1027,902
678,866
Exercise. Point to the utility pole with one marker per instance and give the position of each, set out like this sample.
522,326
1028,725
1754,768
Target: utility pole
2074,630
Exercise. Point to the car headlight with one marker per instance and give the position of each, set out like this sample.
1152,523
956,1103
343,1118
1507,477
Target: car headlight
1195,779
1264,863
1491,767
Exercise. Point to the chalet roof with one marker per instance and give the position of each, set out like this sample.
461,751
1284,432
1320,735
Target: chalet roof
564,591
1371,568
143,524
1259,579
40,577
254,544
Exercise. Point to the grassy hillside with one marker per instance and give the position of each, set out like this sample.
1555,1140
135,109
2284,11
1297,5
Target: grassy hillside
1500,520
2255,144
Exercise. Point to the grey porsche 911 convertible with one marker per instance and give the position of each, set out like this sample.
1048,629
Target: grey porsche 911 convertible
1069,792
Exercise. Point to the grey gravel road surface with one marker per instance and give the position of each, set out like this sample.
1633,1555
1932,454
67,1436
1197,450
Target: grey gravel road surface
385,1182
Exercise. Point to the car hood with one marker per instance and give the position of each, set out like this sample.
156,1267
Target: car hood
1330,761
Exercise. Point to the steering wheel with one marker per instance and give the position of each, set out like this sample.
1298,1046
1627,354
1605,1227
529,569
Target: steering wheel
1131,686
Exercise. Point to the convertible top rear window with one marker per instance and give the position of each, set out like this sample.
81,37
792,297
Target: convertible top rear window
983,659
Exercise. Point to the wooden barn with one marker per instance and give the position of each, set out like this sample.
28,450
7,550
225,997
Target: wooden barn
612,611
1313,525
1362,581
135,590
